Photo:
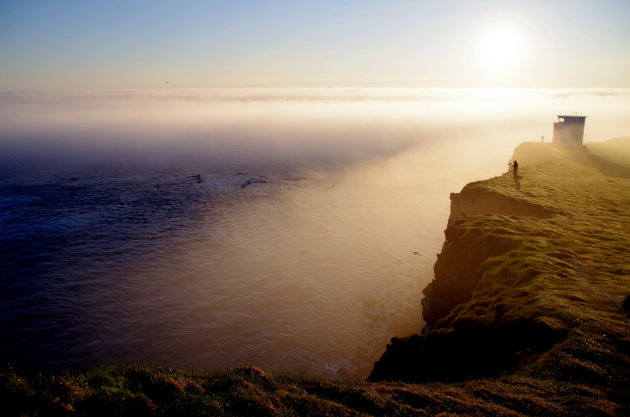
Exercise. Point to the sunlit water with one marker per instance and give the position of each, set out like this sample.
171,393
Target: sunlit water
217,228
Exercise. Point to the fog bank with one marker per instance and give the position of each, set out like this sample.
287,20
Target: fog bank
289,126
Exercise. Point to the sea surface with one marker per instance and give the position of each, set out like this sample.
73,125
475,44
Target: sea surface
200,268
218,228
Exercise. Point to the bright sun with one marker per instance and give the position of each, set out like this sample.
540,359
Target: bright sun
501,47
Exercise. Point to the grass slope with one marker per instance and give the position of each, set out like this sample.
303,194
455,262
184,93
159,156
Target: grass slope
154,391
526,312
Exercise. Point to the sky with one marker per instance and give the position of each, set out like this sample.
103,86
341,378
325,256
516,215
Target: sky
129,44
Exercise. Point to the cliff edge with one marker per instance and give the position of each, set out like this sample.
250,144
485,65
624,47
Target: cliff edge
533,278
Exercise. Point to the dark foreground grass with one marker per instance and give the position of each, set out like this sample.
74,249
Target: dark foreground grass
155,391
529,316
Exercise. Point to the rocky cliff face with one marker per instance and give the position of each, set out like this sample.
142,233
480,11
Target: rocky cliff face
458,268
523,284
473,335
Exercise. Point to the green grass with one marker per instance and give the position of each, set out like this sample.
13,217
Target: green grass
526,316
156,391
532,278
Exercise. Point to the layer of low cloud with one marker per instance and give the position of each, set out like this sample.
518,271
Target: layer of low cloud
288,126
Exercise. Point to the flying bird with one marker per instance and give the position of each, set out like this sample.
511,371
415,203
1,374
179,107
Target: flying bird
416,253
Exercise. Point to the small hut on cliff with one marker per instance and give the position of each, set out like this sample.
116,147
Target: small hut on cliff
569,130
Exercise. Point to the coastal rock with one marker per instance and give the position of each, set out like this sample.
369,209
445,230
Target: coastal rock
528,281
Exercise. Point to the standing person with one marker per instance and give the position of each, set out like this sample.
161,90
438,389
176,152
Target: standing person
515,167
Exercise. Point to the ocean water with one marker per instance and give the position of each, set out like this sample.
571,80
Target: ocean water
215,228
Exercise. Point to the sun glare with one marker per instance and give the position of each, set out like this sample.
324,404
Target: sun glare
501,47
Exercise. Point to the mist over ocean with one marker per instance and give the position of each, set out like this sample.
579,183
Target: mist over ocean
272,227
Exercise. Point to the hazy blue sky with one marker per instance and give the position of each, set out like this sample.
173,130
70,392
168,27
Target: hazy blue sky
69,44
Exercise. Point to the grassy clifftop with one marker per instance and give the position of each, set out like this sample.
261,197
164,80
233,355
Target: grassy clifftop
528,315
533,279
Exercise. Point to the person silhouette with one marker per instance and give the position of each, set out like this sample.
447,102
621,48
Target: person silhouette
515,167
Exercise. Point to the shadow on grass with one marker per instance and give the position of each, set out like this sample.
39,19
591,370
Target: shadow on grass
604,166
